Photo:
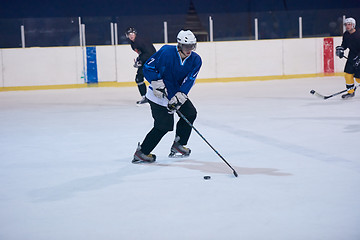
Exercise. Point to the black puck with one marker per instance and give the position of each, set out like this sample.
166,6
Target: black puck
207,177
312,91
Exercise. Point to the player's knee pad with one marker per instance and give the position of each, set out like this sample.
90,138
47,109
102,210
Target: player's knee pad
189,111
192,117
164,123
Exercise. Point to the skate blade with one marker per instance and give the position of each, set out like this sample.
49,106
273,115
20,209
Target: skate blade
139,103
135,161
178,155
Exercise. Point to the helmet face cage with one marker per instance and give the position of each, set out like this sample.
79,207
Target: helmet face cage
130,30
187,47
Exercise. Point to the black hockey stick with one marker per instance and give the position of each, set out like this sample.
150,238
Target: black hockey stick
192,126
332,95
326,97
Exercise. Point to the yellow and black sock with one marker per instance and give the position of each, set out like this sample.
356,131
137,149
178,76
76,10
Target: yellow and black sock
349,78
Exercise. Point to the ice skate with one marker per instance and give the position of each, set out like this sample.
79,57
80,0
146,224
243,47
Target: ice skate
140,157
142,101
179,151
348,95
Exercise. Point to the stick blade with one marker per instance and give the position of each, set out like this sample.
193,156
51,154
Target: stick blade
235,173
313,92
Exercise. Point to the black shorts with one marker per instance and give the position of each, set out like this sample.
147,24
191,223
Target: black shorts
163,120
349,68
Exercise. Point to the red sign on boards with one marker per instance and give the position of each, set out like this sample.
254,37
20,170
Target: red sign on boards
328,55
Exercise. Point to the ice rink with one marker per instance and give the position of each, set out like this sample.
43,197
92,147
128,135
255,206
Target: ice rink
66,172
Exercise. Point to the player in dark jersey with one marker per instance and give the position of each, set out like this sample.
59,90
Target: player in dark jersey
171,72
351,40
145,49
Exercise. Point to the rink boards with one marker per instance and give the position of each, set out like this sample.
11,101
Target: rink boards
66,67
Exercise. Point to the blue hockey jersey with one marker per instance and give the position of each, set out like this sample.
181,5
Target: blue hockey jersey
178,75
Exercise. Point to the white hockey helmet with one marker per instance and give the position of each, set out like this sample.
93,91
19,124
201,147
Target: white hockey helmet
186,40
351,21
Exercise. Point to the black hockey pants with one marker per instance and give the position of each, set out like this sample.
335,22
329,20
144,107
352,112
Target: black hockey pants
164,122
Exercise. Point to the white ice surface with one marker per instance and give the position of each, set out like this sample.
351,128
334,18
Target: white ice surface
66,172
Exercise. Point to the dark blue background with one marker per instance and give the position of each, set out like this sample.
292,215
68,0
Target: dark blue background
55,22
68,8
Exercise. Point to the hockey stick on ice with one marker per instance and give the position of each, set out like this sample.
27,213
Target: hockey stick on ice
332,95
326,97
192,126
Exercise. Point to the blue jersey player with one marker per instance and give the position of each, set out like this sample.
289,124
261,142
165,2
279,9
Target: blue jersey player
171,72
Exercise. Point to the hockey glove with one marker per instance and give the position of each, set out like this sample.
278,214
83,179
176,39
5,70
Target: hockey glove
339,51
159,88
137,63
356,62
177,101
